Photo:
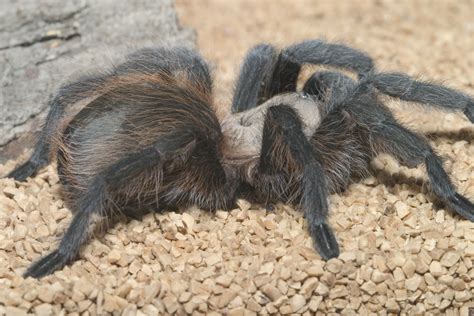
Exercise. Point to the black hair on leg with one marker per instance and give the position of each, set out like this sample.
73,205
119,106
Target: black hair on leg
66,96
319,52
315,52
408,89
94,203
414,150
160,59
285,123
332,88
285,75
254,78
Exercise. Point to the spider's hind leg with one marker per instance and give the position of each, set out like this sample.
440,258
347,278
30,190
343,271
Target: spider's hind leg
408,89
66,96
94,202
413,150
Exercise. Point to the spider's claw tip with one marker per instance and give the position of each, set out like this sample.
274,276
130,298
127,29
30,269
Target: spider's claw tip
24,171
462,206
46,265
325,241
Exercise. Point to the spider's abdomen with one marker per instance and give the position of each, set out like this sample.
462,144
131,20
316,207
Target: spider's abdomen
135,116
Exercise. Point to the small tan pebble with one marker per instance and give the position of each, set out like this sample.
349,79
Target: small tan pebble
322,289
213,259
239,311
225,280
402,209
413,283
222,214
458,284
267,268
30,295
20,232
171,303
334,265
444,279
309,286
44,310
184,297
369,287
253,305
378,276
409,268
315,270
347,256
270,224
14,311
436,269
236,302
298,275
83,305
286,309
297,302
243,204
271,308
46,295
42,231
444,304
226,297
450,258
398,275
392,306
114,256
314,303
12,298
338,291
285,273
462,296
189,308
421,266
130,310
401,295
271,292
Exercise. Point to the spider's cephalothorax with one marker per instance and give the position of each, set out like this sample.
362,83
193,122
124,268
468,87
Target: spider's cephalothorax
148,137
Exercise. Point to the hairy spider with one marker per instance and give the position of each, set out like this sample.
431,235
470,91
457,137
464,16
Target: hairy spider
148,137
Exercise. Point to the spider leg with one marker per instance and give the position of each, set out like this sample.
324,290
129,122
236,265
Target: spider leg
254,78
413,150
316,52
66,96
282,125
408,89
92,203
146,61
332,88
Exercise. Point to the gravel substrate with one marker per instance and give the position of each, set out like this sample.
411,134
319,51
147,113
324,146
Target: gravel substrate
401,251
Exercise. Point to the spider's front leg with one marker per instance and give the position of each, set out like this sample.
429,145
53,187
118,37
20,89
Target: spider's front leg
283,126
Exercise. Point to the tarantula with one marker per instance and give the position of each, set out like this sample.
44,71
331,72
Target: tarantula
148,137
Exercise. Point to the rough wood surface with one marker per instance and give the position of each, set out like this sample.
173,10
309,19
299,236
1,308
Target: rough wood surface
44,42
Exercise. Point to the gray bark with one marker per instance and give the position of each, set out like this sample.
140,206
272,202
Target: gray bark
43,43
